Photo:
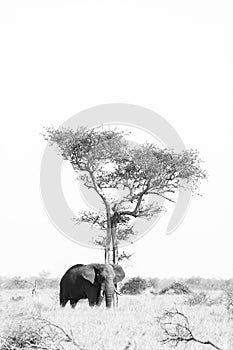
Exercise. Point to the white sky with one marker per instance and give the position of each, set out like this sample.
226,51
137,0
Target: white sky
61,57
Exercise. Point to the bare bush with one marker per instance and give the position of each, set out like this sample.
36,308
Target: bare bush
197,299
35,332
229,302
176,329
19,298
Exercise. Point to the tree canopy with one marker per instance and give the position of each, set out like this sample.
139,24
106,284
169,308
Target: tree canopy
105,160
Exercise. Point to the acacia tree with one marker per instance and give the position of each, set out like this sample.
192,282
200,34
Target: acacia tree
104,161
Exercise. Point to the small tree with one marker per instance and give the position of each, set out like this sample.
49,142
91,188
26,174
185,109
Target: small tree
104,160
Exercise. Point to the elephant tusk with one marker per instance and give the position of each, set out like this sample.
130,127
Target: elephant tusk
101,293
116,291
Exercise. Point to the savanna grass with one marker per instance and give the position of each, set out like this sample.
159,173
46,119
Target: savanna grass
40,322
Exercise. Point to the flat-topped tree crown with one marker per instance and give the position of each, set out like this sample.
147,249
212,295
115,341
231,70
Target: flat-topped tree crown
105,160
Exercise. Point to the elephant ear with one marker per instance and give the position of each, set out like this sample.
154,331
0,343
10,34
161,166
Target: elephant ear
88,272
119,273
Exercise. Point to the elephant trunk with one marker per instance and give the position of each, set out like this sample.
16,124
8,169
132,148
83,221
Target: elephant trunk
109,292
108,300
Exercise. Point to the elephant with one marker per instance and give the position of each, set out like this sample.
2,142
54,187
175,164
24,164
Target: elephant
91,282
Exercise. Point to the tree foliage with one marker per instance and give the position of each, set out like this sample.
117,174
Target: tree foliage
105,160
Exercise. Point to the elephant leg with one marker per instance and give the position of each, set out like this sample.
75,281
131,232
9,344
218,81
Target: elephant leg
63,302
92,302
92,294
73,303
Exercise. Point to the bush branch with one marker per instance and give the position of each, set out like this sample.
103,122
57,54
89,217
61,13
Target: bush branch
177,331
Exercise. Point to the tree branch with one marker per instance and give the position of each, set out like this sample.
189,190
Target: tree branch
161,195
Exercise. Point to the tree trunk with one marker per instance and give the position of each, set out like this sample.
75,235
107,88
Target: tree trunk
107,256
114,222
113,235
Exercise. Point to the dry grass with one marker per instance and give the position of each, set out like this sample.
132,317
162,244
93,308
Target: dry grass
130,326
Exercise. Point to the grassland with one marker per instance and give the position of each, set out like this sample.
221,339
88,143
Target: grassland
132,325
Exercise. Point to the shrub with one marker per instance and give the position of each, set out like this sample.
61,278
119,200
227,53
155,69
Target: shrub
197,299
34,333
134,285
153,283
202,298
19,298
48,283
16,283
20,283
175,288
20,334
194,281
229,302
209,283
